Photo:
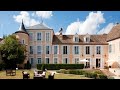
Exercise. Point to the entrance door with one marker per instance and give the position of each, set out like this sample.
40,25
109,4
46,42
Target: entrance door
87,63
97,63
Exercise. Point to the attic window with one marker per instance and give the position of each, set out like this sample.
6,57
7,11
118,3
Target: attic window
76,39
87,39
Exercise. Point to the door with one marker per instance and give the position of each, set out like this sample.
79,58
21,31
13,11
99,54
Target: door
98,63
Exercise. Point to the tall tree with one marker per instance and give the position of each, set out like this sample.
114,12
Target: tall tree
12,51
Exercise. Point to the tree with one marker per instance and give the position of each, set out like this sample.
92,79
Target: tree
12,51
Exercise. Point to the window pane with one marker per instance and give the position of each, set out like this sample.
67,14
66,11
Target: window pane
55,60
39,60
31,49
55,49
47,60
47,49
38,49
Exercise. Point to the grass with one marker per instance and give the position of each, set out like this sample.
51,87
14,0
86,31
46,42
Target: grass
57,76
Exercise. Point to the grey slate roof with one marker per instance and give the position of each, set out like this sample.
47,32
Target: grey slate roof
38,26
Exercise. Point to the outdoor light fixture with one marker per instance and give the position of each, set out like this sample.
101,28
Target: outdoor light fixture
82,55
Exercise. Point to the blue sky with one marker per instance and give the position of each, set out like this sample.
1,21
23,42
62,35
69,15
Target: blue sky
81,22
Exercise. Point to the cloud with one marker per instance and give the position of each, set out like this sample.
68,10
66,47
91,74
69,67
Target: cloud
28,21
57,33
90,25
106,29
44,14
73,28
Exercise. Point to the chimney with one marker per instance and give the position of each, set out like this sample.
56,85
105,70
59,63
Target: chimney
60,35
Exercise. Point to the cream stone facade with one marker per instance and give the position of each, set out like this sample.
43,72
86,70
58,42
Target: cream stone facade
44,46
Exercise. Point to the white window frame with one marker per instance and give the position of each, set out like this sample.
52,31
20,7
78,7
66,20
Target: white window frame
66,50
76,61
86,49
67,60
74,49
38,61
46,49
46,60
32,50
47,38
39,52
54,60
54,49
97,52
31,60
39,38
23,41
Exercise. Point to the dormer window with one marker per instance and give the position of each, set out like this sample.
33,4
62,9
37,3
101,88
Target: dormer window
87,38
76,38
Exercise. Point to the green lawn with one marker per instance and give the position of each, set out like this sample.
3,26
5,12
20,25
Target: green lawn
57,76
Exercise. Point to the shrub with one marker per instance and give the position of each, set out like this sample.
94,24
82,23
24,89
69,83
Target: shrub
61,66
1,67
98,72
102,76
27,65
43,67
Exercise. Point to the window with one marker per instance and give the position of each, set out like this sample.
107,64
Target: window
76,39
87,39
88,63
31,49
55,61
55,50
76,49
39,50
47,36
110,48
39,36
31,36
65,61
76,60
23,41
31,60
64,49
39,60
98,49
47,50
47,60
97,63
87,49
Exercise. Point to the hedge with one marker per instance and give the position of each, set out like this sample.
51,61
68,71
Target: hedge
102,76
61,66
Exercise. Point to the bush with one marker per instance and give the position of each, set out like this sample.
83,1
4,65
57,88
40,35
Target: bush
102,76
1,67
61,66
98,72
43,67
27,65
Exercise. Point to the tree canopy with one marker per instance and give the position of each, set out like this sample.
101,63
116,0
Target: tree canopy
12,51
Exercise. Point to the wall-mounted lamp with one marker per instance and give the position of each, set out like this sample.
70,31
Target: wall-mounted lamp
82,55
93,55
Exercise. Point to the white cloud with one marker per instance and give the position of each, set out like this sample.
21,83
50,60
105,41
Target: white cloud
90,25
106,29
73,28
28,21
57,33
44,14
